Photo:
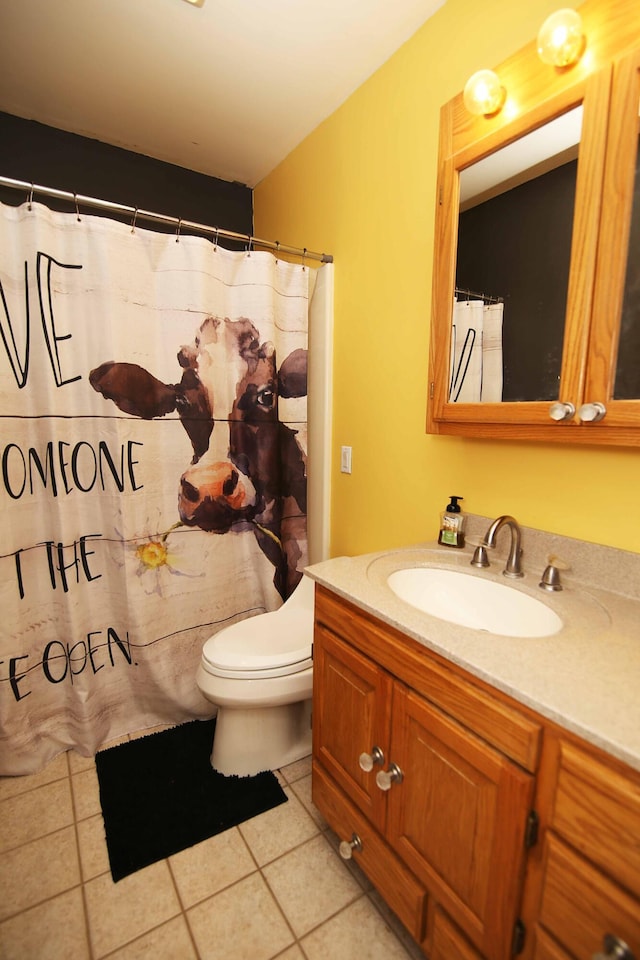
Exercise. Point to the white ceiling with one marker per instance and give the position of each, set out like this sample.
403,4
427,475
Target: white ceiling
227,89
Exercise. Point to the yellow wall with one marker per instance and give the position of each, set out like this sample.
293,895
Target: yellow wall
362,187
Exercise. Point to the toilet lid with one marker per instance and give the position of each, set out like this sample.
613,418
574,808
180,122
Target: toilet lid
268,642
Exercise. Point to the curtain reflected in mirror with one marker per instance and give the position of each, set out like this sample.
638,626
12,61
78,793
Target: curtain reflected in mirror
512,269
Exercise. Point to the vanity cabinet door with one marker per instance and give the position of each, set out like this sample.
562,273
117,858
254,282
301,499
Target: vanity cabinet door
457,819
351,716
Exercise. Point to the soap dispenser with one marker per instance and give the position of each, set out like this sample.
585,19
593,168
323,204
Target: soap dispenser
452,522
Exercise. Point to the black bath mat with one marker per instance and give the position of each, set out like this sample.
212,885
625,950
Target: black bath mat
159,795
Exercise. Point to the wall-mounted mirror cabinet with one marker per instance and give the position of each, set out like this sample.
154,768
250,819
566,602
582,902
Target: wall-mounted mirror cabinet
536,284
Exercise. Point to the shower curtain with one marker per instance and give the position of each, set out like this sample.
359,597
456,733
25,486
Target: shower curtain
476,373
154,466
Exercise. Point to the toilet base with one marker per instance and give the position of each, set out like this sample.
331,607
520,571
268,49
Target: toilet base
248,741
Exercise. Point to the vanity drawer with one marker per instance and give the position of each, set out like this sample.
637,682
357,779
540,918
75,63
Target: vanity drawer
507,729
447,943
597,810
397,885
580,904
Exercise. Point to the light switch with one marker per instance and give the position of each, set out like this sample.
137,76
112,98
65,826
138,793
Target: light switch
345,460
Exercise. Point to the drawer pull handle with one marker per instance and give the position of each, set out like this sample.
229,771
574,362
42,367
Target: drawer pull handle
614,949
347,847
384,778
367,761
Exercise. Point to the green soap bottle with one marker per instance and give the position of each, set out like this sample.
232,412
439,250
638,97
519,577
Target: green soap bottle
452,522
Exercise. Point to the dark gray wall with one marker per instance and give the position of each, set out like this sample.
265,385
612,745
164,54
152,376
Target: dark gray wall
40,154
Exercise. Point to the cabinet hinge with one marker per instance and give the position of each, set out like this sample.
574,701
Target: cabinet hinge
531,830
440,196
519,936
431,389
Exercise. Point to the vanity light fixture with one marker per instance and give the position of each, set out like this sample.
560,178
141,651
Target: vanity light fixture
561,41
483,94
196,3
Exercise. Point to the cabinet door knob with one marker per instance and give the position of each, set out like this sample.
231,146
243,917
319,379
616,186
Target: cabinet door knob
592,412
384,778
366,761
561,411
614,949
347,847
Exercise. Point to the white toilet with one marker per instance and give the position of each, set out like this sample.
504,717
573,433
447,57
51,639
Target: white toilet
259,674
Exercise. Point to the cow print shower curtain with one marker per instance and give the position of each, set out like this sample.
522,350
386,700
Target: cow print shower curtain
154,437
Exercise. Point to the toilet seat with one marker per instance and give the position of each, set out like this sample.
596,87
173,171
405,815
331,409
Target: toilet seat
281,646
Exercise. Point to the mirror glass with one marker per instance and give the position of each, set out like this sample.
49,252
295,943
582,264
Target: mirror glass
627,382
512,267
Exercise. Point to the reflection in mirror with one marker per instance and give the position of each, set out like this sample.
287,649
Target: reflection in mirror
512,271
627,383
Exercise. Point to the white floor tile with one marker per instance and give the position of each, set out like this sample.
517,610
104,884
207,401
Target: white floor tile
242,922
278,830
357,933
120,912
211,866
311,884
55,930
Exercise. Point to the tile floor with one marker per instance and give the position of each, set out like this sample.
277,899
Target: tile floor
273,887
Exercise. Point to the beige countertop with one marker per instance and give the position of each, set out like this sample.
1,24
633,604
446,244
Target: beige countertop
586,677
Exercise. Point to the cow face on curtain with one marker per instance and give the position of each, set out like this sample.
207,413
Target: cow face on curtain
247,470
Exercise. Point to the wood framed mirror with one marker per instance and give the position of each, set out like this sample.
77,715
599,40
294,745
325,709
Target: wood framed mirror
521,246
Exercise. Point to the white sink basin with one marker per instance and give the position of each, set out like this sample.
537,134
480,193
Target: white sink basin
473,602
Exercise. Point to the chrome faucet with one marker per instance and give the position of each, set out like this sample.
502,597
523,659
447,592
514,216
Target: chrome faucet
480,558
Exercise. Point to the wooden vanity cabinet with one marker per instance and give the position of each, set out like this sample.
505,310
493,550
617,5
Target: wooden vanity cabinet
445,843
450,844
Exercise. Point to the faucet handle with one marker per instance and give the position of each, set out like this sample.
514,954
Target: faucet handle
551,576
480,557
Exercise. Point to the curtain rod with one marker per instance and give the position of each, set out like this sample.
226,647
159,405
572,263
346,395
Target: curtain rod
178,222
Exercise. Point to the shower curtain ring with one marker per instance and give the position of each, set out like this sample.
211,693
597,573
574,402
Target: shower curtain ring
249,246
215,242
178,230
304,253
75,200
30,198
277,249
133,222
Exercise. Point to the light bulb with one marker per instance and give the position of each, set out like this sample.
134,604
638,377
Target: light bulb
483,93
561,41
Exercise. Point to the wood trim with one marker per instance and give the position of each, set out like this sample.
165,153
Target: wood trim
611,28
447,942
613,251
